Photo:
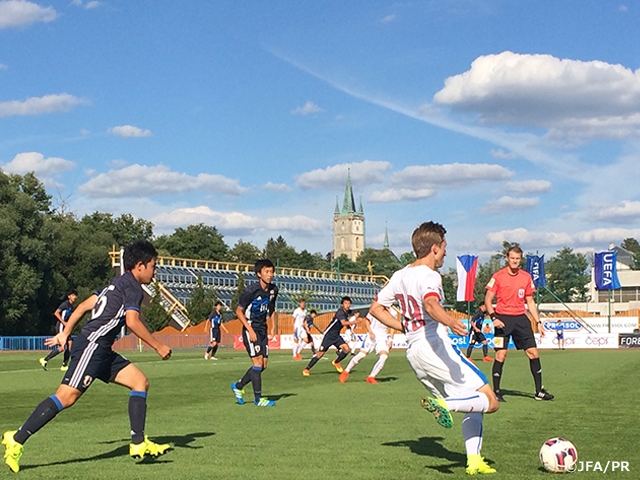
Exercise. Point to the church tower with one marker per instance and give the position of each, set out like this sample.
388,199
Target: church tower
348,226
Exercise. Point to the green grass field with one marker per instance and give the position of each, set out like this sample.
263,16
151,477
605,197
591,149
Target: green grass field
321,428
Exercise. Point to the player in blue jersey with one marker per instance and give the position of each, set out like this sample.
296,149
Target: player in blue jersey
256,308
560,334
332,337
62,314
215,318
308,325
476,335
92,356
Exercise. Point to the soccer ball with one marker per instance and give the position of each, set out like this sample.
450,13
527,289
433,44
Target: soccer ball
558,455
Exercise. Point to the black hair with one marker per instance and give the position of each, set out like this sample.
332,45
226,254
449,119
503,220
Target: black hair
344,299
313,311
218,303
72,292
262,263
138,251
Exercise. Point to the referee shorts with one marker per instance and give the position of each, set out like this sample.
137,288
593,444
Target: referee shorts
517,327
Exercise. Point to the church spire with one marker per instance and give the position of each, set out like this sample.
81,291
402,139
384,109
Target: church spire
337,210
385,244
349,204
360,211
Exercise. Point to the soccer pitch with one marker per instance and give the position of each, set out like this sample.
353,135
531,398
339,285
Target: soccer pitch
319,427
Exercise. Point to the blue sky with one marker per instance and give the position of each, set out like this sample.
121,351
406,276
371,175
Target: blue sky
503,120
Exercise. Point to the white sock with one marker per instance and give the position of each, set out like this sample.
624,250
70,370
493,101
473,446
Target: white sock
467,403
300,347
378,366
472,432
354,361
295,349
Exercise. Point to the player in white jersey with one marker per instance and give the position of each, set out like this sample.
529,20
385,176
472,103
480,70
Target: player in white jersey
299,332
455,384
378,339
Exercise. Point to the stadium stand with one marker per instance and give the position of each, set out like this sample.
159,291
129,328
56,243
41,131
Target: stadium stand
177,277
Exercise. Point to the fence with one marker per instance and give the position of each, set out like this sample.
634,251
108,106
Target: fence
23,343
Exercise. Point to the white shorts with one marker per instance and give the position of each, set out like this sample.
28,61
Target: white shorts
300,333
380,344
443,370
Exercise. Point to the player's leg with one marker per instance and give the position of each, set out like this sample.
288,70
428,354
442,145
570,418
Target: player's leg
382,359
472,342
66,356
501,343
366,348
324,346
125,373
524,340
485,352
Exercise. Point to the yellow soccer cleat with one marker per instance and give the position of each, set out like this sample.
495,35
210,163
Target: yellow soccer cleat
306,372
147,447
12,451
43,363
337,366
476,464
438,407
64,368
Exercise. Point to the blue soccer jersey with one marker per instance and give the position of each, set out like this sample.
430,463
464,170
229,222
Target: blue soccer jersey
335,326
109,313
258,304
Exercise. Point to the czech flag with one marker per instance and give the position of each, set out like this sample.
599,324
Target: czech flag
467,266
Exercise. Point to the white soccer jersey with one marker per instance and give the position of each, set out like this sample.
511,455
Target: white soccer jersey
299,315
379,329
409,287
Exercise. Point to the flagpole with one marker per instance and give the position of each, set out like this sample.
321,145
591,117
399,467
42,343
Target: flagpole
609,310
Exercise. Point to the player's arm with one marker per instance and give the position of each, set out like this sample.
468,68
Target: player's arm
136,326
58,316
245,323
61,338
440,315
488,303
533,309
382,314
367,325
271,324
222,327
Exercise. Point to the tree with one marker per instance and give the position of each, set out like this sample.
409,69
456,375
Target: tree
199,241
407,258
201,302
567,276
631,244
280,253
244,252
240,286
383,262
155,315
123,229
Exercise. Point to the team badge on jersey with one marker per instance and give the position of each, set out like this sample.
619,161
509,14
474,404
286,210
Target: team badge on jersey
491,282
87,381
521,293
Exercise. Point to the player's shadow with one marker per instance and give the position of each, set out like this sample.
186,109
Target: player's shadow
516,393
431,447
386,379
280,396
176,441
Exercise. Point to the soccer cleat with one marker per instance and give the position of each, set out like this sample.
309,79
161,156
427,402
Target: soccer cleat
12,451
147,447
64,368
305,372
487,358
238,393
544,395
343,376
476,464
206,356
499,396
264,402
337,365
371,380
298,357
213,358
43,362
438,407
471,360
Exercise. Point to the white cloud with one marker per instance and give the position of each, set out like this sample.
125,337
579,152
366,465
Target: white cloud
625,211
141,181
598,238
84,132
277,187
307,109
623,8
118,163
401,194
450,175
568,97
388,18
92,4
362,173
237,223
3,66
500,154
528,186
62,102
129,131
44,168
19,13
510,203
